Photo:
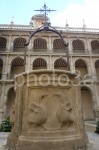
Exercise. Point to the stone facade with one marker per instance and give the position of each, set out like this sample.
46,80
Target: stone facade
46,51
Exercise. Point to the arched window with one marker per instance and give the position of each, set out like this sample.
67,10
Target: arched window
78,46
19,44
3,42
39,63
97,69
87,103
58,46
1,67
40,45
60,64
95,47
17,66
10,101
81,66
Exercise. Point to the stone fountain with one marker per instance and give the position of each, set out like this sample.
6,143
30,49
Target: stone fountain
47,114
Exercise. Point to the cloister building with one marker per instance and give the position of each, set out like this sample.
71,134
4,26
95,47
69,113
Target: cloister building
46,51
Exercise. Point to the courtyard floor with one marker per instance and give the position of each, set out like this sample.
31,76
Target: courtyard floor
92,136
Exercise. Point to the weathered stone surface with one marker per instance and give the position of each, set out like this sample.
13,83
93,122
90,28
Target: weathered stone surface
48,112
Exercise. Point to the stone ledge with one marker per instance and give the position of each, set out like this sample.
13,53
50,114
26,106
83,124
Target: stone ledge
90,127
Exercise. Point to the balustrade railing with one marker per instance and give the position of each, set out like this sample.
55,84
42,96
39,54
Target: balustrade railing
64,29
8,26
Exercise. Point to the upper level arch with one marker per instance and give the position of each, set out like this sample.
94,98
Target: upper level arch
95,46
40,45
3,43
18,44
10,100
87,102
58,46
78,46
81,66
39,63
60,64
17,66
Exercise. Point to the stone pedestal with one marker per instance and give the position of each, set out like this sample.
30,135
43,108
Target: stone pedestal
47,114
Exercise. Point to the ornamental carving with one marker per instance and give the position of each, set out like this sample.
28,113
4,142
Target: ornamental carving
51,113
37,112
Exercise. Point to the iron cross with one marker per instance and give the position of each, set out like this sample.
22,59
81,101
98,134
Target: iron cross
45,9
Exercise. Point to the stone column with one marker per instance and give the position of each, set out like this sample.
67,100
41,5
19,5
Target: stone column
50,44
1,101
5,106
94,105
4,76
89,68
30,46
70,46
28,63
96,99
86,46
9,43
89,46
50,61
71,65
6,68
12,45
9,70
93,69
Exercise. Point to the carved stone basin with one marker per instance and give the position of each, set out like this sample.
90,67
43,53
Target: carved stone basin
47,114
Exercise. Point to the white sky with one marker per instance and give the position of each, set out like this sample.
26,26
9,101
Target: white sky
76,13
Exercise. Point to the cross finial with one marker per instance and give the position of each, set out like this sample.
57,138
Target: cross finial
12,21
67,24
46,10
84,26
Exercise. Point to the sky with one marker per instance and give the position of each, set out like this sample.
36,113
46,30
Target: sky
74,11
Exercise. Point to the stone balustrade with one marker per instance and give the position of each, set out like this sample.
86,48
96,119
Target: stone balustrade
64,29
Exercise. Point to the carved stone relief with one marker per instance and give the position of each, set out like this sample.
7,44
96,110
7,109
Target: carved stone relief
52,112
37,112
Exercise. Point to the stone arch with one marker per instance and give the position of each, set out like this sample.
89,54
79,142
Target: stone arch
58,46
81,66
40,45
18,44
97,69
60,64
10,100
78,46
39,63
87,103
17,66
3,43
1,68
95,46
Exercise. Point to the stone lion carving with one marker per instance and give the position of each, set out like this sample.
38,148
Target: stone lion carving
37,112
64,112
